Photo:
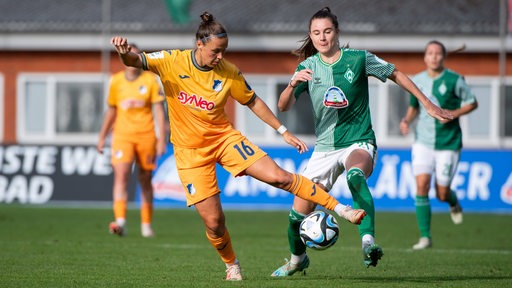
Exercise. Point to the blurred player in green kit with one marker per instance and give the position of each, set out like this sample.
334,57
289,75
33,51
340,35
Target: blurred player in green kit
437,145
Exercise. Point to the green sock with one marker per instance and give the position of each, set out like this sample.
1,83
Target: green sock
452,198
296,245
423,215
362,199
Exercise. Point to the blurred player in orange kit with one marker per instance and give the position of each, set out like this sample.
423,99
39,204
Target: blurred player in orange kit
198,82
133,96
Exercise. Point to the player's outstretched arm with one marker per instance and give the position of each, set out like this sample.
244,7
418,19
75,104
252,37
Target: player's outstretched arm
433,110
124,50
260,109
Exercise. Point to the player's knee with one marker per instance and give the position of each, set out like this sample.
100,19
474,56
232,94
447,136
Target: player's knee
145,179
442,197
215,229
280,178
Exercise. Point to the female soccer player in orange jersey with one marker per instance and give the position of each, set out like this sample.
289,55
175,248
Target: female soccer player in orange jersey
133,95
197,84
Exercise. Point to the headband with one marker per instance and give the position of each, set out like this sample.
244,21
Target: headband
220,35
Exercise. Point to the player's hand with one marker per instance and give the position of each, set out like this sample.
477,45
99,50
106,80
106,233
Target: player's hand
404,127
301,76
161,148
295,142
99,146
440,114
121,44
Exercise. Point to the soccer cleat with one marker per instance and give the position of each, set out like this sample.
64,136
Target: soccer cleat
288,269
116,229
234,272
372,254
424,243
146,230
354,216
456,214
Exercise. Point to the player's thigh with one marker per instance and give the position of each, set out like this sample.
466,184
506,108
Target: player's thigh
446,165
422,159
123,151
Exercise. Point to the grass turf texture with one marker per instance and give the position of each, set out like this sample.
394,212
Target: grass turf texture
71,247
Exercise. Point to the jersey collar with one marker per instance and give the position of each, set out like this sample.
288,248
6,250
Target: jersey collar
327,64
199,67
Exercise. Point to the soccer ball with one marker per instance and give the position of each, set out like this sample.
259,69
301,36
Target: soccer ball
319,230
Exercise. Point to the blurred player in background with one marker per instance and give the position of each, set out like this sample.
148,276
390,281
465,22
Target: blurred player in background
134,96
198,83
437,145
336,79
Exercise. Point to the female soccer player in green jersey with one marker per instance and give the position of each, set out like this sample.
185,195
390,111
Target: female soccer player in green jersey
437,144
336,79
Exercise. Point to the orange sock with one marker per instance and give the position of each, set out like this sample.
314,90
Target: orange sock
119,209
224,248
146,213
307,190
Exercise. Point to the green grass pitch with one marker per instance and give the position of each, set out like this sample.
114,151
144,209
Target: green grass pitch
71,247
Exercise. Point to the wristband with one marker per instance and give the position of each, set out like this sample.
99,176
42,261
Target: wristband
282,129
293,77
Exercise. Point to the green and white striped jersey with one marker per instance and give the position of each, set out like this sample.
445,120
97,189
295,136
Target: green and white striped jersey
449,91
339,95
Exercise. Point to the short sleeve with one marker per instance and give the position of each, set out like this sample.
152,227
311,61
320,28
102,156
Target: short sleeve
464,92
377,67
241,91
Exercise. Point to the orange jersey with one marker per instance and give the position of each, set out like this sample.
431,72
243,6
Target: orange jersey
133,101
196,96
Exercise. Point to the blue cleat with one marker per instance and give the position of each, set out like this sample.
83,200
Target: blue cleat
288,269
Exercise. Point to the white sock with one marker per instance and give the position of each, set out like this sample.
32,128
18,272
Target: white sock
296,259
367,240
339,209
120,221
234,263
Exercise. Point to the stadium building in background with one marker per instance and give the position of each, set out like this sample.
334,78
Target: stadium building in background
56,60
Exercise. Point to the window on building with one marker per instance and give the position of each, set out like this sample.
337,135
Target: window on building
2,107
507,107
60,108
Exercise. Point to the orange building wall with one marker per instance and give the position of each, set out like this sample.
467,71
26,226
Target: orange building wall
13,63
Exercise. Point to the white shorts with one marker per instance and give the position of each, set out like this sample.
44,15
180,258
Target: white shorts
443,163
325,167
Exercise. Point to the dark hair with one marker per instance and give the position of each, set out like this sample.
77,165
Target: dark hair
437,43
307,49
209,28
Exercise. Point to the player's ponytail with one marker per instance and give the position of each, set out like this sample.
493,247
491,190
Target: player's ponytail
209,28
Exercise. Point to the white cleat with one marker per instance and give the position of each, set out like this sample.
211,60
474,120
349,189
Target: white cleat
146,230
456,214
234,272
424,243
354,216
